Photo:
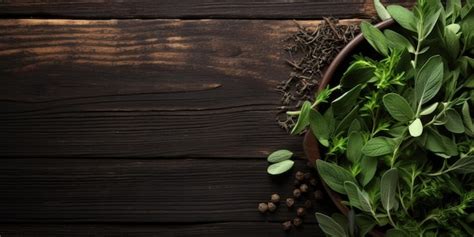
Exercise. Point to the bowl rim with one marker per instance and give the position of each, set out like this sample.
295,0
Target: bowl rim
311,144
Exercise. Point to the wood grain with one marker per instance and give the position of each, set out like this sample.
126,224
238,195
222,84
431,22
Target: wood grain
185,9
234,229
142,190
142,88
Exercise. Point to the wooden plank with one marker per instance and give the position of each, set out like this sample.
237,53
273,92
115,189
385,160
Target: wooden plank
142,88
229,229
267,9
142,190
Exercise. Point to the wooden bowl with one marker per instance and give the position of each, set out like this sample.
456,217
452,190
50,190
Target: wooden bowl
338,66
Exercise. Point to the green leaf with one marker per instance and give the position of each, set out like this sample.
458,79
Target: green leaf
403,16
429,23
398,107
368,169
452,41
375,37
378,146
395,233
329,226
467,28
381,11
463,165
365,223
467,117
354,142
416,128
279,155
335,176
398,41
454,122
438,143
470,82
388,187
346,102
347,120
364,200
352,193
320,127
280,167
303,118
359,72
430,109
429,79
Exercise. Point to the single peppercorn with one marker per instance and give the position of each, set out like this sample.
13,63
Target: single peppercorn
308,204
296,193
313,182
304,188
297,221
275,198
299,176
262,207
290,202
307,176
271,206
318,195
286,225
300,211
297,183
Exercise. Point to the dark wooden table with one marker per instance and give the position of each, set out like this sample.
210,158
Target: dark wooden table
146,118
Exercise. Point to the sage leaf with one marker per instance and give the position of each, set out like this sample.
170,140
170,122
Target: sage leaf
467,117
378,146
398,41
430,109
335,176
347,120
470,82
329,226
375,37
398,107
280,167
352,192
368,169
438,143
358,72
354,143
364,201
279,155
429,79
365,223
403,16
381,11
320,127
454,122
463,165
416,128
429,23
303,118
346,102
388,187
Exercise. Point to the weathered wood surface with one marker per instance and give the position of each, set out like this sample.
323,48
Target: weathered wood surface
142,190
142,88
228,229
262,9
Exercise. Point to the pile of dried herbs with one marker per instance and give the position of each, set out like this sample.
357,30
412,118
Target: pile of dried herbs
310,51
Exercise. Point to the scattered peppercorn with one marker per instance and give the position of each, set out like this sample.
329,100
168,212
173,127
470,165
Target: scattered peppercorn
318,195
308,176
290,202
299,176
297,221
304,188
286,225
297,183
308,204
300,211
262,207
271,206
296,193
313,182
275,198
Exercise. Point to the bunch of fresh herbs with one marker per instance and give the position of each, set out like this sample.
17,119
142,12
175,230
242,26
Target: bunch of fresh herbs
398,128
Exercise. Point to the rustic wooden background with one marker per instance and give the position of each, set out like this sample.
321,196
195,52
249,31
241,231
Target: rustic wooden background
147,118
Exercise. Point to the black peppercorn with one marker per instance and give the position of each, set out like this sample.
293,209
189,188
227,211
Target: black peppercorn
296,193
286,225
299,176
290,202
297,183
318,195
271,207
304,188
313,182
275,198
308,204
308,176
262,207
300,211
297,221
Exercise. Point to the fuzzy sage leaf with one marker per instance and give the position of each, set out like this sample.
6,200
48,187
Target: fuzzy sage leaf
279,155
